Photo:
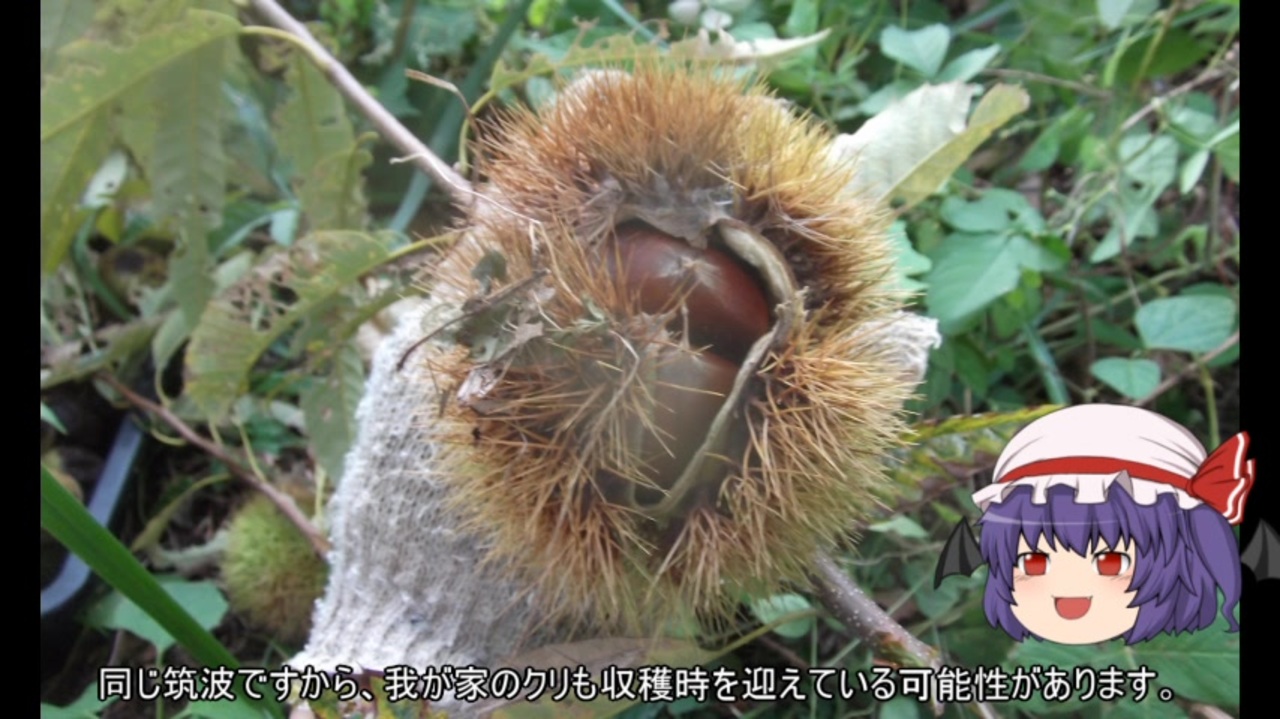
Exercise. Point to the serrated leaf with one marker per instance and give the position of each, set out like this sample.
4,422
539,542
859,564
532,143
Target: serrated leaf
911,148
188,169
202,600
771,610
332,193
1134,378
923,49
242,321
60,22
99,73
1153,161
329,409
312,125
1187,323
67,162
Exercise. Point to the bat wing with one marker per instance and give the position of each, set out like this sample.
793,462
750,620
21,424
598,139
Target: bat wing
1263,553
961,554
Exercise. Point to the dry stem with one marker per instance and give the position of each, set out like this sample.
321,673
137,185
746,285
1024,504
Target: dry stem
281,500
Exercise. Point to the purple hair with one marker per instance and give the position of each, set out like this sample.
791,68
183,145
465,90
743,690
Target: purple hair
1182,557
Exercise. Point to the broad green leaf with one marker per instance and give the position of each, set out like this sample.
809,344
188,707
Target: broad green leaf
329,406
908,151
907,262
923,49
1133,378
188,170
965,67
1153,161
1200,667
202,600
103,73
60,22
1187,323
242,321
87,706
772,609
971,271
1112,12
312,125
67,162
902,526
986,214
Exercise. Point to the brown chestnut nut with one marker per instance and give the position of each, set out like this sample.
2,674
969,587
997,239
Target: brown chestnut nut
727,309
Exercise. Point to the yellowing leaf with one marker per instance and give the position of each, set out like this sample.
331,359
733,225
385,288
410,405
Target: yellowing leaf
911,148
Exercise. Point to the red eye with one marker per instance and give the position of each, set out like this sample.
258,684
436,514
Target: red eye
1111,564
1033,564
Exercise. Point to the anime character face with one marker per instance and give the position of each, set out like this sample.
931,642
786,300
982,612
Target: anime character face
1068,598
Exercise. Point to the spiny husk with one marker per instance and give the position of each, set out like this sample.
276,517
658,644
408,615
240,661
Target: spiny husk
536,445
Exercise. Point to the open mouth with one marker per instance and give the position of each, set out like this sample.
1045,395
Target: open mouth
1072,607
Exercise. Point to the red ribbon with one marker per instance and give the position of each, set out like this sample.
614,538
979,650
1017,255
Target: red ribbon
1223,481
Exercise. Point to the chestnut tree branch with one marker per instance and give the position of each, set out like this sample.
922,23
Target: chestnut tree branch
386,124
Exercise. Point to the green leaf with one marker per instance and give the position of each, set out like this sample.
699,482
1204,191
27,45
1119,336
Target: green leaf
202,600
70,523
1200,667
922,50
1228,153
241,322
965,67
986,214
1187,323
1133,378
971,271
772,609
1112,12
1152,161
61,21
87,706
188,170
907,262
103,73
908,151
67,162
329,406
1192,169
312,125
47,415
802,20
902,526
332,193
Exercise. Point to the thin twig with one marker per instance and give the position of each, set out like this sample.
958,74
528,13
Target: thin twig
1159,101
862,616
1189,370
386,123
281,500
1079,87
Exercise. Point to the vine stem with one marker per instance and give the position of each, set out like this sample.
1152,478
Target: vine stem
386,124
282,501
